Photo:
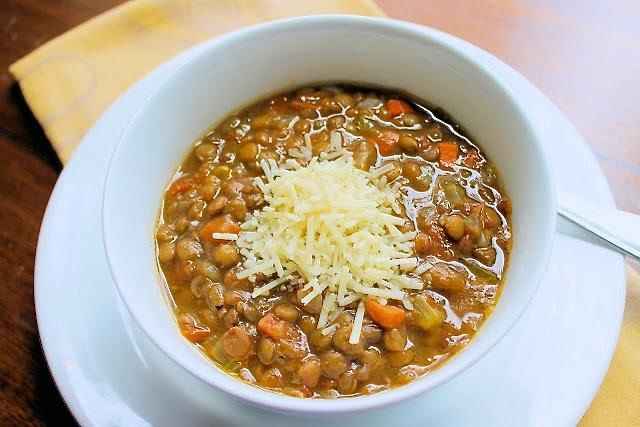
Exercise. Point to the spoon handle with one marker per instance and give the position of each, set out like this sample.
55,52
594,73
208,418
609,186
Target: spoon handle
619,228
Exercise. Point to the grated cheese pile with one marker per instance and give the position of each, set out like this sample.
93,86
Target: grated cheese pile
335,227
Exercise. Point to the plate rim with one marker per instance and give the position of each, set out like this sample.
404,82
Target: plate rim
78,156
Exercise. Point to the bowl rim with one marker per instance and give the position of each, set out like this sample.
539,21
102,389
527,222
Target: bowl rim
280,402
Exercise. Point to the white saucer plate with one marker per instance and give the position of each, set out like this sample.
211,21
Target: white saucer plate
544,372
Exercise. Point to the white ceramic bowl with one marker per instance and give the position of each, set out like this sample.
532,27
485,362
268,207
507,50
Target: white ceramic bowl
241,67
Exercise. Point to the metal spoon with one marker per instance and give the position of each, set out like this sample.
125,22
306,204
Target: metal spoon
620,229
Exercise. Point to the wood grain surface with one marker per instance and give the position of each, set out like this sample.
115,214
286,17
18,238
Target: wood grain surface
582,54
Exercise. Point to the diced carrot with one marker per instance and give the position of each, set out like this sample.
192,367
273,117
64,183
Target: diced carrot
273,327
387,316
195,334
388,142
219,224
397,107
181,185
472,159
448,153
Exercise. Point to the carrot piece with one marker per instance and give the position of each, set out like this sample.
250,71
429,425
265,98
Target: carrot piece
273,327
387,142
397,107
219,224
472,160
448,153
181,185
195,334
387,316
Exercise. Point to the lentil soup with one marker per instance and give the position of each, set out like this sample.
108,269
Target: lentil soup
334,241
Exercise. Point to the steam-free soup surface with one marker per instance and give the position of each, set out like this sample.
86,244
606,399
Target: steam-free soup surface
453,213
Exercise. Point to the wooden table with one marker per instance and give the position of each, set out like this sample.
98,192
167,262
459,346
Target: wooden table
582,53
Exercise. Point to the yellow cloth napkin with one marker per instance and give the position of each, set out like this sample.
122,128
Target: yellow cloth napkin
618,400
71,80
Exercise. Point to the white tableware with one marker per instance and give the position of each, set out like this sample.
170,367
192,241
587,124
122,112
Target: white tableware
240,67
544,372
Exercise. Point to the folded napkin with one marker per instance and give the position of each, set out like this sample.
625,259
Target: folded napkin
71,80
617,401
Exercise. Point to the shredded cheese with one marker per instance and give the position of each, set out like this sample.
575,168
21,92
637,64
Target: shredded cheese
264,290
354,338
423,268
335,227
329,329
224,236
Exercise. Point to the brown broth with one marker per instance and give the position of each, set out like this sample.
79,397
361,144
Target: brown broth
451,196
